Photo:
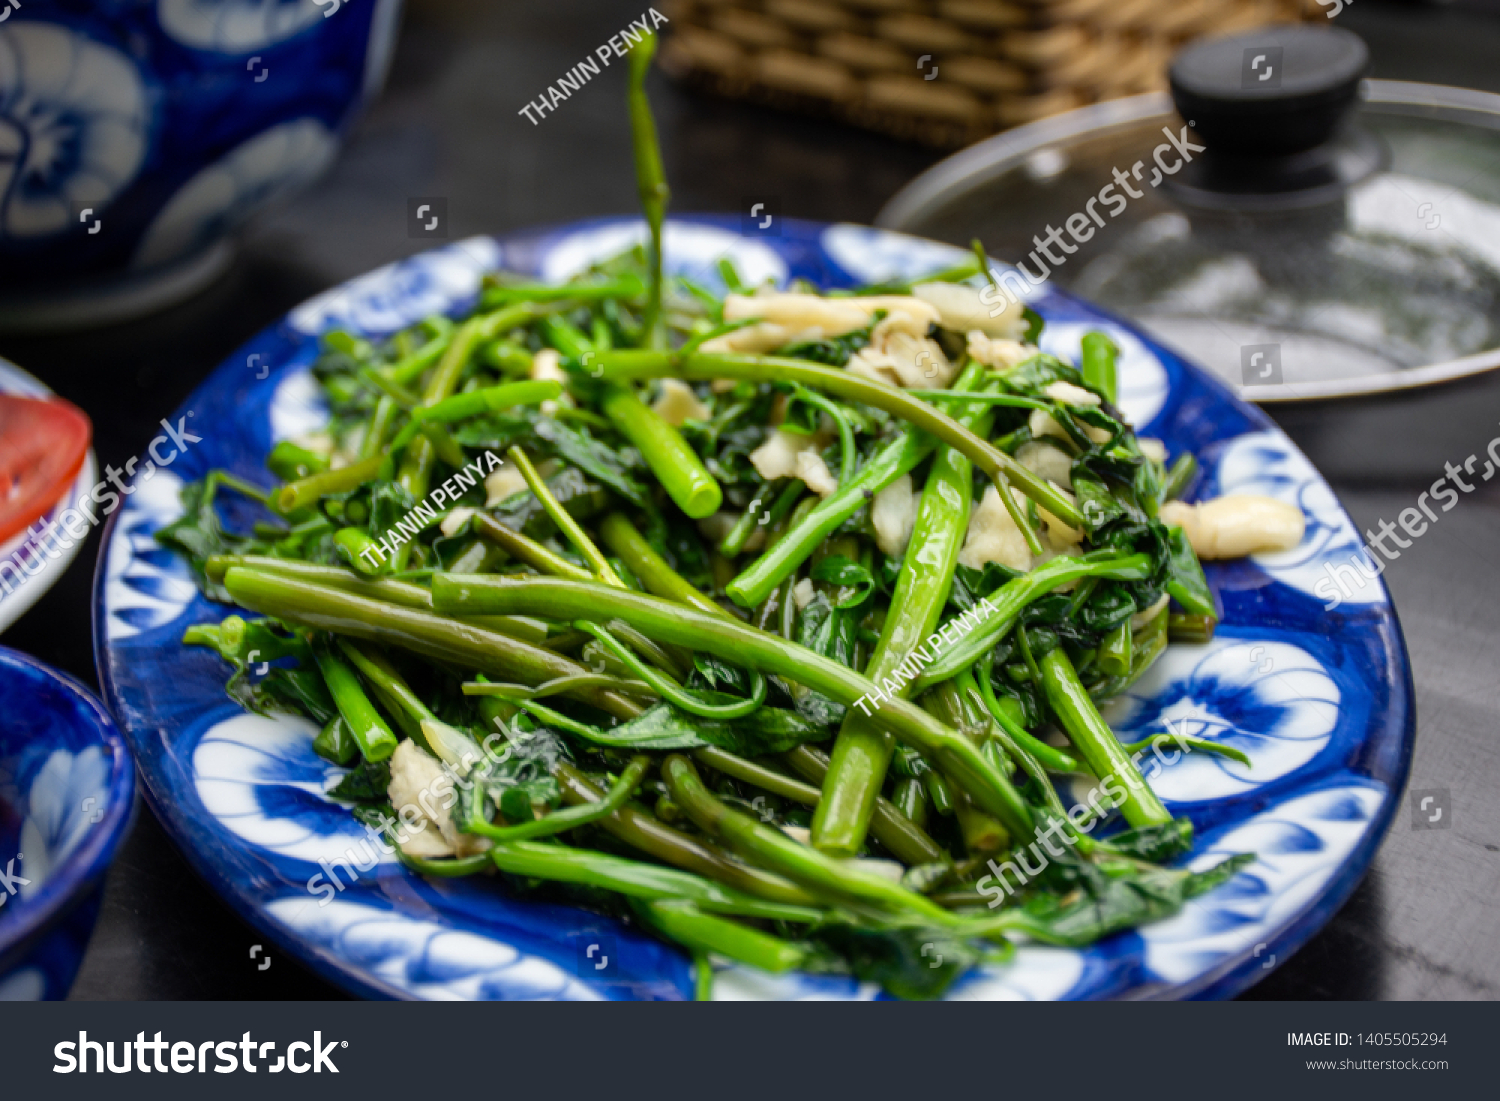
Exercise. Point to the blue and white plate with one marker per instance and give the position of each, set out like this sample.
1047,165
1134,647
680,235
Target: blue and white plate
1320,699
67,788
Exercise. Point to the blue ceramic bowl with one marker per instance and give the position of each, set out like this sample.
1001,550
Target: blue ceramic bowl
1320,700
67,789
136,134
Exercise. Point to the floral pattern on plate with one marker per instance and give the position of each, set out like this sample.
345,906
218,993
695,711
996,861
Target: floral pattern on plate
66,792
695,252
149,586
1299,845
255,774
402,293
1271,700
1267,463
869,255
426,958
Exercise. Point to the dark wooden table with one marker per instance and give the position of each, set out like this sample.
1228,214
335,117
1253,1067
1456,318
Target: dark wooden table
1421,925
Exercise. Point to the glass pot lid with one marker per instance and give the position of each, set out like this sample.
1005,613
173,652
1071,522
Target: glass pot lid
1302,231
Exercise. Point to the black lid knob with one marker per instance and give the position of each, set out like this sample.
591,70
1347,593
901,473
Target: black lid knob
1276,91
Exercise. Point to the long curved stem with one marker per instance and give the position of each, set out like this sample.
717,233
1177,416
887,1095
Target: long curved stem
568,818
386,590
637,879
847,452
745,646
1007,602
620,365
641,831
376,739
669,690
904,838
308,605
840,881
1050,757
524,549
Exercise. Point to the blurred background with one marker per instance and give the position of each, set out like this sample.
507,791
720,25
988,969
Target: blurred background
821,110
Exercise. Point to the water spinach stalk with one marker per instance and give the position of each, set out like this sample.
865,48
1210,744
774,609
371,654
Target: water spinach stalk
862,752
666,622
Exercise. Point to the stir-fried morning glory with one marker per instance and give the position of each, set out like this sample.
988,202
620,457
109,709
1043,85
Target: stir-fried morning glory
763,619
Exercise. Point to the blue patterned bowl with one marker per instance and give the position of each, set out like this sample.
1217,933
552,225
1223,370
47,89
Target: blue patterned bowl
136,134
1321,701
67,789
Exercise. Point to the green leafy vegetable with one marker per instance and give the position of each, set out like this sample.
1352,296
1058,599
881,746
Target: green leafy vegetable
667,587
366,782
769,730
